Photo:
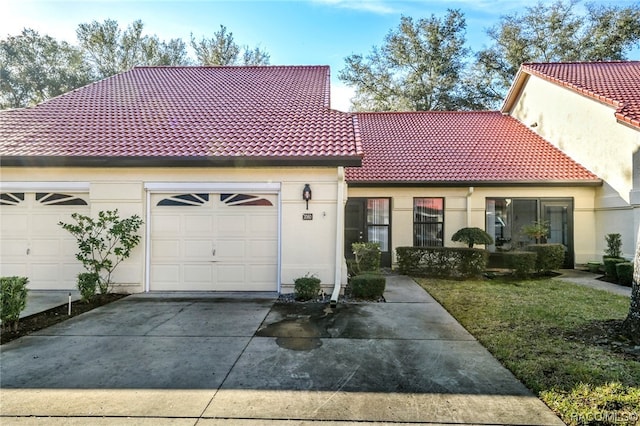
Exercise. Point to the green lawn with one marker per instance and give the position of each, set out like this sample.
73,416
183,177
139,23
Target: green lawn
527,326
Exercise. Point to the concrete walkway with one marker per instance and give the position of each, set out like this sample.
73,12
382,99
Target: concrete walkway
589,279
187,359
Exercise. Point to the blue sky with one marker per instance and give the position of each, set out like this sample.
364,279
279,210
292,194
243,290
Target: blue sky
317,32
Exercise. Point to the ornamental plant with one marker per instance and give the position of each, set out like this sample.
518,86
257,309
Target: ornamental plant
614,245
472,236
538,229
307,287
13,300
104,242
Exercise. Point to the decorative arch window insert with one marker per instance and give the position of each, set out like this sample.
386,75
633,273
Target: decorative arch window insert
44,198
11,198
226,199
56,199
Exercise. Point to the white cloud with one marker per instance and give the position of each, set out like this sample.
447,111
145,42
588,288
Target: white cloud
375,6
341,96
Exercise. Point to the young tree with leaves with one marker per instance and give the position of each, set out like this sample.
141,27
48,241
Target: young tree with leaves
111,50
632,323
552,33
34,68
223,50
418,68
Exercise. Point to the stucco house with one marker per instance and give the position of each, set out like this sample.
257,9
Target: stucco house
591,111
214,159
425,175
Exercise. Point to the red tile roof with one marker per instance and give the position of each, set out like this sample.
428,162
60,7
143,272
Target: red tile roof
614,83
458,148
274,112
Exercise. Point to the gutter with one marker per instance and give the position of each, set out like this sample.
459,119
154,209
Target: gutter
339,238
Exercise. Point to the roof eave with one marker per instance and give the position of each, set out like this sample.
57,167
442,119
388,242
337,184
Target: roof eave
130,161
512,95
484,183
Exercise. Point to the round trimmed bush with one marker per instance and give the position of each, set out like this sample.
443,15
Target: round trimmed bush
368,286
306,288
624,271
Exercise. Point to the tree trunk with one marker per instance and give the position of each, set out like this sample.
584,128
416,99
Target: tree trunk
632,322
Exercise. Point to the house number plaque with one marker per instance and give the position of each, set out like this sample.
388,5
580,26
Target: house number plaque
307,216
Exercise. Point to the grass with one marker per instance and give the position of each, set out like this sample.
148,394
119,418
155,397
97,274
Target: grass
531,326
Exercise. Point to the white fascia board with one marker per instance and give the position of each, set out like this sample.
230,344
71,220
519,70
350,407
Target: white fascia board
45,186
255,187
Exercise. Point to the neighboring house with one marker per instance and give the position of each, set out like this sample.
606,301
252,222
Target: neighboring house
591,111
425,175
214,159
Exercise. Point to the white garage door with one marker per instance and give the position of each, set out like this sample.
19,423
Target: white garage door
32,243
214,242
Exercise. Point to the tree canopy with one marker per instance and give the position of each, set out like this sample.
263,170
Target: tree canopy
418,67
36,67
552,33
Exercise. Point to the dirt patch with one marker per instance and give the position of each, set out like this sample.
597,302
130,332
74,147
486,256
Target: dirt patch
41,320
609,334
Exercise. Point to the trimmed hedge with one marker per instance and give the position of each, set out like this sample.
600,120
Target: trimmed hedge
453,262
610,264
369,286
521,263
367,257
550,257
624,271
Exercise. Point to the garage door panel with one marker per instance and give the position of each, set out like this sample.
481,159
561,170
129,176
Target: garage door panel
166,224
165,248
198,224
13,224
222,237
34,245
198,249
198,274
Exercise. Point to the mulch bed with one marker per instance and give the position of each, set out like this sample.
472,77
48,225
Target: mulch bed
40,320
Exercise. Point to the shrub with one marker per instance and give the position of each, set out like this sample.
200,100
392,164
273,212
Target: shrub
367,257
472,236
87,284
104,242
454,262
521,263
13,294
368,286
538,230
624,271
610,264
550,257
614,245
307,287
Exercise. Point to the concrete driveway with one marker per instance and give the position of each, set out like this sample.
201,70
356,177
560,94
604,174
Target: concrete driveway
209,359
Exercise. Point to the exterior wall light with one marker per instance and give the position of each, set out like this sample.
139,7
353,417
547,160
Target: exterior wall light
306,194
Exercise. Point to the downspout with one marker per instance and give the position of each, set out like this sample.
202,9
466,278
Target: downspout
147,244
469,194
339,238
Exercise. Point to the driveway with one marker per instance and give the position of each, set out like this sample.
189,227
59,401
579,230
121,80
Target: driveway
209,359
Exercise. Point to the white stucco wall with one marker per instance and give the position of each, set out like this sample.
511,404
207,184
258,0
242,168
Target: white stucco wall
587,131
306,246
456,208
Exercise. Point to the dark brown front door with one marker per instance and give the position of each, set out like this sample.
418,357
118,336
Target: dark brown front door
368,220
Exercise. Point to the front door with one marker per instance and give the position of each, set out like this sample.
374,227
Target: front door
368,220
559,215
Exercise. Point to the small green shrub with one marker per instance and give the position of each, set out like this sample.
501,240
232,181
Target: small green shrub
594,267
521,263
87,284
472,236
453,262
614,245
610,264
307,287
13,294
550,257
368,286
367,257
624,271
538,230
